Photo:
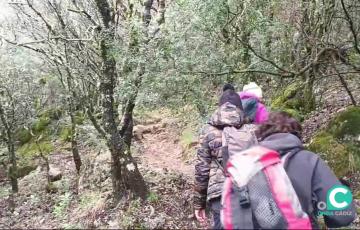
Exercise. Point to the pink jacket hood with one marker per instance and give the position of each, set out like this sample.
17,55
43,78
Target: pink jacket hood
245,95
262,114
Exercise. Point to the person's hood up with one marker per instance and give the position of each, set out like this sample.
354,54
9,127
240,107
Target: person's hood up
246,95
282,142
227,115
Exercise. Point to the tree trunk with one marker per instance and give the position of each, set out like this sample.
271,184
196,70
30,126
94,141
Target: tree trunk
345,85
124,170
128,123
11,149
13,167
125,173
74,145
46,160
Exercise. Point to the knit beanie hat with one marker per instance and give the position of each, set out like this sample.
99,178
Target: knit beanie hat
253,88
229,95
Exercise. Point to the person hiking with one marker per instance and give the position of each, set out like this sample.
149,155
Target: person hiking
209,174
251,98
281,184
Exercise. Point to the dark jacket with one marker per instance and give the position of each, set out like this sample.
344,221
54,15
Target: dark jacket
209,176
311,177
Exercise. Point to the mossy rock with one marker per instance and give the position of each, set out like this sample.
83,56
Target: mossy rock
333,152
346,125
294,100
32,149
25,165
289,93
25,170
290,100
339,143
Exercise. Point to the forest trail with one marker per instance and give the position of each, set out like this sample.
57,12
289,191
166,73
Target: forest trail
161,150
159,153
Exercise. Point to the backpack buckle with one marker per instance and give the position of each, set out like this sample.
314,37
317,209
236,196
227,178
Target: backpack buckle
244,198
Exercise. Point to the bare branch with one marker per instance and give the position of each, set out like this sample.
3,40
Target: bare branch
263,58
96,124
351,26
41,16
239,71
23,45
88,16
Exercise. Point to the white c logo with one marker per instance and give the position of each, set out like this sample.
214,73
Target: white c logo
332,197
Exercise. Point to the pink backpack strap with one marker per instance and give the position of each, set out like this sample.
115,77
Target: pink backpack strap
280,193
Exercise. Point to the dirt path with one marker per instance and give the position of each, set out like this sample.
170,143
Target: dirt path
161,150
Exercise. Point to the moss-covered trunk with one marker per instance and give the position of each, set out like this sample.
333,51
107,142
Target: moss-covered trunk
309,98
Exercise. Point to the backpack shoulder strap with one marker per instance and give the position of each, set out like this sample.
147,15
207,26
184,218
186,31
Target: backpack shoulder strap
285,159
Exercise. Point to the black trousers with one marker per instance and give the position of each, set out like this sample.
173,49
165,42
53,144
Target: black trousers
215,207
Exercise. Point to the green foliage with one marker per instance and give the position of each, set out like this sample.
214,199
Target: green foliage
294,113
41,124
188,140
23,136
153,197
51,114
32,149
187,137
79,117
44,119
61,207
65,133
